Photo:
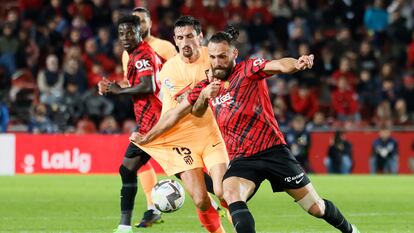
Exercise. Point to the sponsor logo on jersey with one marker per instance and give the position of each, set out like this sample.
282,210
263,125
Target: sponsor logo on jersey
143,65
223,99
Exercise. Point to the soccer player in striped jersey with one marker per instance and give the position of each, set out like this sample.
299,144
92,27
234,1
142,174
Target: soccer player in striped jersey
143,66
165,50
238,96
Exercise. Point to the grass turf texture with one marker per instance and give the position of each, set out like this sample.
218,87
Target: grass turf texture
76,203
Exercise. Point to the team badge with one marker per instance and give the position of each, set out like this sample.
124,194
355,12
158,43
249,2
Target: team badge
226,84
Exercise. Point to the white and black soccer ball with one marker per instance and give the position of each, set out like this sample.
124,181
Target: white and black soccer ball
168,195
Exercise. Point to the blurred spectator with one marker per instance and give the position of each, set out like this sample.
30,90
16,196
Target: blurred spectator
345,71
407,94
79,23
109,126
213,15
104,42
96,106
74,75
304,101
299,141
40,121
339,159
376,17
318,123
9,45
383,117
50,81
389,91
367,60
401,117
4,117
384,153
80,8
281,13
101,14
345,102
72,104
367,89
129,126
282,114
93,56
85,126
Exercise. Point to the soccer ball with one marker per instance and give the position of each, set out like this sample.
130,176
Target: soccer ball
168,195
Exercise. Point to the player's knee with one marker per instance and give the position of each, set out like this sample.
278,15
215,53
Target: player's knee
231,195
127,175
201,201
218,191
312,204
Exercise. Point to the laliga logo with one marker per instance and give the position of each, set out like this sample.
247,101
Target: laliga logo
64,160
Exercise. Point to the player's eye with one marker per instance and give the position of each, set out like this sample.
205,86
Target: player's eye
179,37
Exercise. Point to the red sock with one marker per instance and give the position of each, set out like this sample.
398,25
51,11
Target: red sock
210,219
224,204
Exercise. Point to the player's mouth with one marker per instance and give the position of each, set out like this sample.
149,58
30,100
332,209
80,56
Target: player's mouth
187,49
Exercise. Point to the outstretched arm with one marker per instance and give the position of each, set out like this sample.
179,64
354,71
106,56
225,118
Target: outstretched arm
166,122
289,65
201,105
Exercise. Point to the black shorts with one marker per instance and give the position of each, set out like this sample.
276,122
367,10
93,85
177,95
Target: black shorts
276,164
133,151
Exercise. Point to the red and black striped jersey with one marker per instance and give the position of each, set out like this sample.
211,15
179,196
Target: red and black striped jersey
243,110
144,63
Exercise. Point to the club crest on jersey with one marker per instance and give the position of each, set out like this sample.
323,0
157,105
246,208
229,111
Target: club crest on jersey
169,84
143,65
222,99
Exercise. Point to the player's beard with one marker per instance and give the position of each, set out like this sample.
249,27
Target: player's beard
187,51
222,73
145,34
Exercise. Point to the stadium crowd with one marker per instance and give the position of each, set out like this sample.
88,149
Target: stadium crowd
53,54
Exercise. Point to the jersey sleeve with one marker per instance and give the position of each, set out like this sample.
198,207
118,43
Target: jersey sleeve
145,65
253,69
195,93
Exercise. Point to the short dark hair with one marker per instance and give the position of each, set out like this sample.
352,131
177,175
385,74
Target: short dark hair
230,35
142,10
187,20
132,19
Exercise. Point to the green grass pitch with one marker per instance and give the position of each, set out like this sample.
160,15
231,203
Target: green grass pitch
76,203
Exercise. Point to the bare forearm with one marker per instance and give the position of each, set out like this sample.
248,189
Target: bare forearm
168,120
200,106
281,66
136,90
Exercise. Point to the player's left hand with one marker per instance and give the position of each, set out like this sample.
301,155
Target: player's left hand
114,88
138,138
305,62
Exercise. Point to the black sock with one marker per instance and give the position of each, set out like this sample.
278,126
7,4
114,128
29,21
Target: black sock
334,217
209,183
128,192
243,220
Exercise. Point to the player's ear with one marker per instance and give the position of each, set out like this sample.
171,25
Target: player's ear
235,53
201,37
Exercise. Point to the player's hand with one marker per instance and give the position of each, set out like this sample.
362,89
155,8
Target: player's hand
103,86
138,138
305,62
211,90
114,88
